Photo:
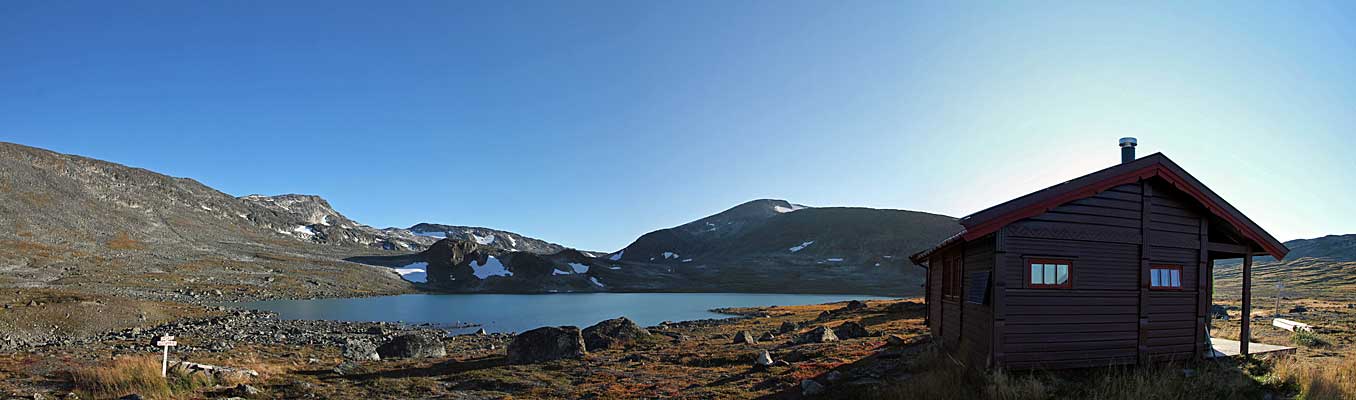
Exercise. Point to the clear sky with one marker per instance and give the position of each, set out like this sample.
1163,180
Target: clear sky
588,123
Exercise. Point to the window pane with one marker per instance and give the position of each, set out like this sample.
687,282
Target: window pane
1036,274
1176,278
1062,274
1156,276
1050,274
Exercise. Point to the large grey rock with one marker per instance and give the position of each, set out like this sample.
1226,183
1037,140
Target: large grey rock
744,337
850,330
764,358
412,346
788,327
613,333
360,350
809,387
546,344
819,335
855,305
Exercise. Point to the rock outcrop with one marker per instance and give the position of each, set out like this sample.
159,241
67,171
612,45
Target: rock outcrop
613,333
412,346
546,344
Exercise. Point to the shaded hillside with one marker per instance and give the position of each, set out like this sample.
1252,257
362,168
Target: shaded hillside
1315,268
777,246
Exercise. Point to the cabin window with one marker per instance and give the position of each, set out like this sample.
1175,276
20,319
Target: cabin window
951,278
1165,277
1048,273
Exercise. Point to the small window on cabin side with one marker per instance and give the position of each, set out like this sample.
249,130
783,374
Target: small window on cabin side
1165,277
1048,273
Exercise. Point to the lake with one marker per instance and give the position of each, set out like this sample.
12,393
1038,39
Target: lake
521,312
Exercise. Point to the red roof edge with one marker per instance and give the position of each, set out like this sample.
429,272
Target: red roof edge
1189,186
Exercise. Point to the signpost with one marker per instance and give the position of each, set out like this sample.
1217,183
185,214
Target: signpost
165,341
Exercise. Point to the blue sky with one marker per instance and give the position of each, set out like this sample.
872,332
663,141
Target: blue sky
590,123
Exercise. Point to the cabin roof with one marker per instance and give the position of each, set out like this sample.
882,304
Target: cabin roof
992,219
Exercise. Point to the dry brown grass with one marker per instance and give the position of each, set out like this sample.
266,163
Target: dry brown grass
123,241
1334,379
122,376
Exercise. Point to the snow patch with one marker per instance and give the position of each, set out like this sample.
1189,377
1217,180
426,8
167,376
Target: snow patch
595,281
305,230
614,267
440,235
784,210
414,272
483,240
205,208
616,256
492,267
687,260
325,220
802,246
833,259
670,254
559,272
579,268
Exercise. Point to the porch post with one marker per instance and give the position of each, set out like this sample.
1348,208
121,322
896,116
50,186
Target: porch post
1246,331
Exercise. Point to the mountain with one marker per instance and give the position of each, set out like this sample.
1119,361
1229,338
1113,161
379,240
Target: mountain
85,224
1321,267
507,241
776,245
312,218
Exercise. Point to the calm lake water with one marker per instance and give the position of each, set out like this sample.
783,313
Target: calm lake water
521,312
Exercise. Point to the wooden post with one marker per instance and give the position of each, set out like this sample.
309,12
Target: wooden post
1203,292
1146,206
1246,331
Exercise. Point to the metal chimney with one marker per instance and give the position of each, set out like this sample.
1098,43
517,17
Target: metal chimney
1128,149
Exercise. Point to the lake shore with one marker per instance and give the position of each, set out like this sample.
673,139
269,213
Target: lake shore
296,358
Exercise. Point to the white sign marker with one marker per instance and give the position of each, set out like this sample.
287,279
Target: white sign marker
165,341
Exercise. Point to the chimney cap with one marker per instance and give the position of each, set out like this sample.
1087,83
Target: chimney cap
1128,141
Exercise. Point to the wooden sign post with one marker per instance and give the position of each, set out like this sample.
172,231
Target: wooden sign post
165,341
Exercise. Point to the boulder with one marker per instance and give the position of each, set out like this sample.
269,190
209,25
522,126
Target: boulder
360,350
132,396
546,344
767,337
824,316
896,340
809,387
1299,309
244,390
788,327
744,337
764,358
820,334
481,332
850,330
412,346
855,305
904,307
613,333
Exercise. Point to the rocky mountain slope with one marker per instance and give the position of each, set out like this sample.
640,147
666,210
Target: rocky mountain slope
1320,267
84,224
502,240
312,218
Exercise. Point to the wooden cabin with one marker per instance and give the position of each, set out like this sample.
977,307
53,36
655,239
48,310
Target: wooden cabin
1113,267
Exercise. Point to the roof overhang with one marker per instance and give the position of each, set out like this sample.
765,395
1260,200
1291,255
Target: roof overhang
990,220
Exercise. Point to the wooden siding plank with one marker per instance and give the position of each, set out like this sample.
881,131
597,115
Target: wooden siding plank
1015,320
1071,328
1054,356
1069,309
1085,219
1049,337
1078,209
1107,203
1068,346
